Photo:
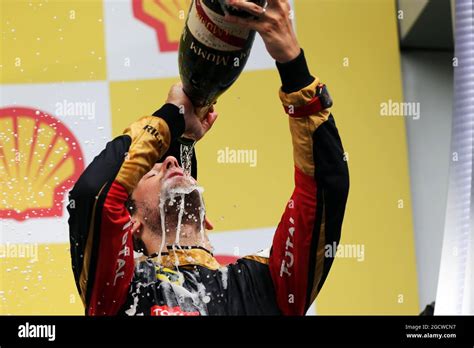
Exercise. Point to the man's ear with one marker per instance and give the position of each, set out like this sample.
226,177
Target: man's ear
208,224
137,232
137,228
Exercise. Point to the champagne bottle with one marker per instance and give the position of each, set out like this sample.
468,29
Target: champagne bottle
212,51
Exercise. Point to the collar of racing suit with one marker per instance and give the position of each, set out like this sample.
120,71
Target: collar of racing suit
184,256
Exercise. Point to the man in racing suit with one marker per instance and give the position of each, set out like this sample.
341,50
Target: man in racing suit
117,208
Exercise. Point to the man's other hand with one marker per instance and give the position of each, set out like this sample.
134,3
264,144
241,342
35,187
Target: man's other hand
274,25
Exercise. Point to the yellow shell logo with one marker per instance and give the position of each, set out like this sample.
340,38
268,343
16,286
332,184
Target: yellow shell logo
40,159
166,17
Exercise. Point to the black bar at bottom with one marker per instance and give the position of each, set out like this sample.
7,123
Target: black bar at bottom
413,330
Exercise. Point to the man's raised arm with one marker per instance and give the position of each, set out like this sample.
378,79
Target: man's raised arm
314,214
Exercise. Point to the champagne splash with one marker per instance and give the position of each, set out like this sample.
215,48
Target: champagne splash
169,197
178,230
163,227
180,219
186,156
202,213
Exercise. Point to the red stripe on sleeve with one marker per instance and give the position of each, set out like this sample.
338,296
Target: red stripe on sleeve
115,264
290,262
312,108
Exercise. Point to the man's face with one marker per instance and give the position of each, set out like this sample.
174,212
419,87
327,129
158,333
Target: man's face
163,181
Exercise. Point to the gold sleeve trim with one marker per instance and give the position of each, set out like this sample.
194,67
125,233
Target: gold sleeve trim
302,129
150,140
301,97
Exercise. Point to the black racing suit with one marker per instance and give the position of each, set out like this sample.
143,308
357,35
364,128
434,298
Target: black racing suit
285,280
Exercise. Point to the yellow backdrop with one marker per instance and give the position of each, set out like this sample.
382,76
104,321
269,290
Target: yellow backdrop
350,44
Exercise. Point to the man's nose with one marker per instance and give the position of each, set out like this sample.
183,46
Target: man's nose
170,162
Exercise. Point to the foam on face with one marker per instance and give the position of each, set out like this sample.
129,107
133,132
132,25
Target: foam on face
170,197
186,154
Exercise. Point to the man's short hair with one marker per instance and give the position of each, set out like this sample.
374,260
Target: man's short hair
131,205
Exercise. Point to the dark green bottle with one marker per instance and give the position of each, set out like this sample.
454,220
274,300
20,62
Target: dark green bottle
212,51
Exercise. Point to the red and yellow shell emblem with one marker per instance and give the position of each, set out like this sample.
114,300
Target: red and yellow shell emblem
40,159
166,17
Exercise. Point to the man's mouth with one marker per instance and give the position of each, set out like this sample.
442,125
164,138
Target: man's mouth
177,178
174,173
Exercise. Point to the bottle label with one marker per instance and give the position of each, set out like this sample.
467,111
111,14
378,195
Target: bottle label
210,29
